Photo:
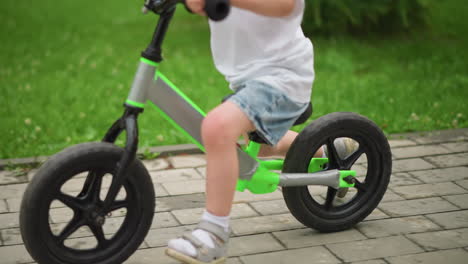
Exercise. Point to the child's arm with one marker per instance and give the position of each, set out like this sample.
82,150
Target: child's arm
275,8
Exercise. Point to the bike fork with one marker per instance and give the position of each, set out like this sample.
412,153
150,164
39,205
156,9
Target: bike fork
127,122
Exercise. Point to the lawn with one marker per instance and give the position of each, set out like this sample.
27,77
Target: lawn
66,68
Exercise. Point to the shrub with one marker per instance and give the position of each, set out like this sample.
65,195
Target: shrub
363,16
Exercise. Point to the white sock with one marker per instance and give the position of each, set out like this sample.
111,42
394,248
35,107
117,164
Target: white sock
184,246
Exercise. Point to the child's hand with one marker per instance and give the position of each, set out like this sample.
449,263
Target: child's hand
197,6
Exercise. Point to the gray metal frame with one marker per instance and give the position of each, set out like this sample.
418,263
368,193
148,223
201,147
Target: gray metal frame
146,88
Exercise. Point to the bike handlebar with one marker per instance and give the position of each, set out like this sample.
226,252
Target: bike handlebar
217,9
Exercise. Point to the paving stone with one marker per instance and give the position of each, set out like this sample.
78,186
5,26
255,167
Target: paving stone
165,219
428,190
460,200
441,136
437,240
374,248
374,261
452,160
31,174
390,196
403,179
463,183
12,190
396,226
14,254
416,207
395,143
270,207
150,255
296,256
9,220
193,216
246,245
159,190
178,175
453,256
263,224
159,237
14,204
411,165
9,177
186,187
157,255
3,206
376,214
11,236
156,164
442,175
202,171
419,151
247,196
187,161
180,202
457,146
307,237
451,219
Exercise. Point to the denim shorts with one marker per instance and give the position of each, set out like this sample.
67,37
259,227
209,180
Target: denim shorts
271,111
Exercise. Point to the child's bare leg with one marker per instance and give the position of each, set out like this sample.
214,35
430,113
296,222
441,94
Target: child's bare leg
282,147
220,132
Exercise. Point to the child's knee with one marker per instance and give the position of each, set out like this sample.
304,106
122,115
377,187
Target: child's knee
217,130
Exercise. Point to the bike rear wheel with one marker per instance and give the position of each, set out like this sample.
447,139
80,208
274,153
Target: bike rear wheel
318,207
61,219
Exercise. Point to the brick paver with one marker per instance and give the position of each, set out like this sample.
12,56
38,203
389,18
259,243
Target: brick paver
423,217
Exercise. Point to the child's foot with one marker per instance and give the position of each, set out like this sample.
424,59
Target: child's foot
206,244
344,147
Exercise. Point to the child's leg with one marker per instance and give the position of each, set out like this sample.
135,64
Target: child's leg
220,131
282,147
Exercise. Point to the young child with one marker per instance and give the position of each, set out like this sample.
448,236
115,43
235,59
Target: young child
262,52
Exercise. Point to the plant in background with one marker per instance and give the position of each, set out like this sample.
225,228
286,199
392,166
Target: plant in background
363,16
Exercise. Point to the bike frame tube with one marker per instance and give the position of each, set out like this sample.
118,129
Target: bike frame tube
151,85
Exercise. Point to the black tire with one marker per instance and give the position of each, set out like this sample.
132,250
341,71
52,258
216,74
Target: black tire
99,160
327,216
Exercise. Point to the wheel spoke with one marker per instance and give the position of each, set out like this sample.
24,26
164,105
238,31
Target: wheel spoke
333,156
331,194
117,205
349,161
98,233
360,186
70,228
72,202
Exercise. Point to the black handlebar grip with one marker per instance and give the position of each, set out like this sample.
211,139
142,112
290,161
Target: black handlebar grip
217,9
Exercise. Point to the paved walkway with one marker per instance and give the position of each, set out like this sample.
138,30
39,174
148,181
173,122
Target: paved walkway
422,219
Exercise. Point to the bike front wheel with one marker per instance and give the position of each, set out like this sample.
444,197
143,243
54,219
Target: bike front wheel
61,219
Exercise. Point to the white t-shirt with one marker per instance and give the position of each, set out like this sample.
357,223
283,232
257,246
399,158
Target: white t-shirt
273,50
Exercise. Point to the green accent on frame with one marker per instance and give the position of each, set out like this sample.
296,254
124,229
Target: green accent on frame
149,62
179,92
344,174
263,181
135,104
317,164
171,121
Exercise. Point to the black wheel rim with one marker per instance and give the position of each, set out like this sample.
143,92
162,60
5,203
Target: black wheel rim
365,188
86,212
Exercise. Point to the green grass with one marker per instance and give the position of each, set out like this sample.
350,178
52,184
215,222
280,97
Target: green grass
66,68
